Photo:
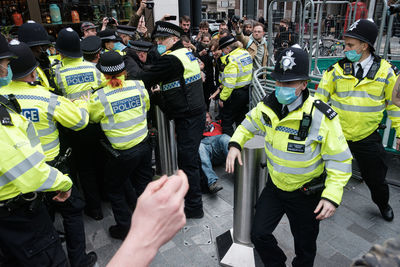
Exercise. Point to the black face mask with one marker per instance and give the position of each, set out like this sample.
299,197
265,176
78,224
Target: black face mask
282,29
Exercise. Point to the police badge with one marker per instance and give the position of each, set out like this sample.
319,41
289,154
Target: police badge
287,62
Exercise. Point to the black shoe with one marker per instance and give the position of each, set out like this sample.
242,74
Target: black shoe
118,232
194,214
214,188
95,214
91,259
387,213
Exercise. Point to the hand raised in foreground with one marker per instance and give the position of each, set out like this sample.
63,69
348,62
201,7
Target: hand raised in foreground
157,218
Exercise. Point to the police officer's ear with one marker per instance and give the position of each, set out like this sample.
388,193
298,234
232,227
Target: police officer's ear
304,85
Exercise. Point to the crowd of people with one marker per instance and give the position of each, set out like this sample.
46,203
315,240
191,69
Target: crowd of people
76,114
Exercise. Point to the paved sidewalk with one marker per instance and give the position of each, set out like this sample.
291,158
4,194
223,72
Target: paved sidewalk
355,227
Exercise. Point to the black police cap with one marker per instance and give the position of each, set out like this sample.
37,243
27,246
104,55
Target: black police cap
166,29
225,41
363,30
125,29
5,51
68,43
140,45
91,45
109,35
26,61
33,34
111,63
292,65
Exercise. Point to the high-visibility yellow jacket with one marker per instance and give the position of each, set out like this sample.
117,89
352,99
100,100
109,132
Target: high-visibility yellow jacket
360,104
237,73
293,163
42,78
75,77
22,164
122,113
45,109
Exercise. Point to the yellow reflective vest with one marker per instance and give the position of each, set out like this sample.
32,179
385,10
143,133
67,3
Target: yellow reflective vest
293,163
75,77
22,166
42,78
360,104
237,72
122,113
45,109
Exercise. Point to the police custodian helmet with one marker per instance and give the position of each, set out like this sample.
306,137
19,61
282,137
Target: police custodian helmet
26,61
363,30
292,65
33,34
68,43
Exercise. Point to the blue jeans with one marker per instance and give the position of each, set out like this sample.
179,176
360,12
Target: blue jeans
213,150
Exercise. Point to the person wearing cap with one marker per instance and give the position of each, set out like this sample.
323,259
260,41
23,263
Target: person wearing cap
236,78
121,109
360,88
111,41
91,50
73,76
136,58
126,33
181,98
5,56
88,29
45,109
35,36
308,159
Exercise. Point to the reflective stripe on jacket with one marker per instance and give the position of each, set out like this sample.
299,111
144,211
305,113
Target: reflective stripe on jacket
22,166
75,77
237,73
122,113
45,109
292,163
360,104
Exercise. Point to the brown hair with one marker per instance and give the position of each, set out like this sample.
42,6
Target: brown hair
184,18
204,35
204,24
113,79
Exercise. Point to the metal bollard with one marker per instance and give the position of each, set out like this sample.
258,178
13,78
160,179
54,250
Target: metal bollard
246,183
166,143
234,246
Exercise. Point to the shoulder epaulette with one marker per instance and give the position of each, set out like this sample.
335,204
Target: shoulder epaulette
327,110
5,106
395,69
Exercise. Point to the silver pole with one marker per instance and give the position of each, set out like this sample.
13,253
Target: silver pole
173,147
245,189
382,26
163,142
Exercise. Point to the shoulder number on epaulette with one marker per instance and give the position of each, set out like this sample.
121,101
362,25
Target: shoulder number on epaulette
325,109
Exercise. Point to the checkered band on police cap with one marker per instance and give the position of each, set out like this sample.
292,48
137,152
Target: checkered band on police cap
111,63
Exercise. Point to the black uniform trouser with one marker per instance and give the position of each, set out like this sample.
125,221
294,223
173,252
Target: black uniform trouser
134,162
299,208
189,132
29,239
89,158
371,157
72,214
234,110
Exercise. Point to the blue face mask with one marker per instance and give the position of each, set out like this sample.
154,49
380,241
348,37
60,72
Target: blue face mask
119,46
223,54
6,80
352,55
161,49
285,95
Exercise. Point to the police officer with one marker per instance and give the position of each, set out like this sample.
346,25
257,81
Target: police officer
182,99
90,157
74,77
136,58
236,78
303,140
126,33
120,108
35,36
45,109
111,41
23,218
359,86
